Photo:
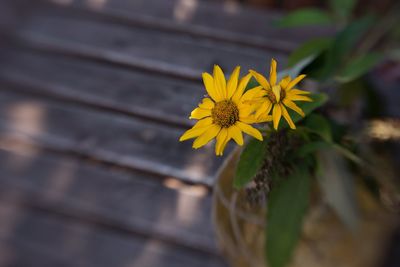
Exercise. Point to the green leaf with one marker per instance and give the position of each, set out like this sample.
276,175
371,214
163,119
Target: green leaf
337,185
312,147
287,204
319,125
343,8
250,162
305,16
358,67
348,37
312,47
328,62
252,83
349,155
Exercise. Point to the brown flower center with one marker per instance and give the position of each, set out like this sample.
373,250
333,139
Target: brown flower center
272,98
225,113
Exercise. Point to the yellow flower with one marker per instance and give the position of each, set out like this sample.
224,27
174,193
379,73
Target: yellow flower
279,95
223,115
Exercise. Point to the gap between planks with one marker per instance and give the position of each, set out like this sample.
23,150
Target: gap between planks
176,55
32,233
120,140
229,22
124,200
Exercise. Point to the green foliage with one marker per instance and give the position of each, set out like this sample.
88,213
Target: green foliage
312,147
342,8
252,83
287,204
348,37
358,67
309,48
250,162
306,16
337,184
330,61
319,125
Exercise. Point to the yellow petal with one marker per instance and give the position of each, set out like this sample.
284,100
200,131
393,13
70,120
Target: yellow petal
241,87
248,119
251,94
206,137
299,98
250,130
284,82
261,79
233,82
222,140
203,122
199,113
299,92
276,115
208,81
193,132
207,103
265,108
235,132
264,118
294,82
272,73
293,106
246,110
276,89
219,82
287,117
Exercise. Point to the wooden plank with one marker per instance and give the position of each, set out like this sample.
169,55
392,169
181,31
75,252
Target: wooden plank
136,93
33,238
12,14
216,20
65,31
128,200
112,138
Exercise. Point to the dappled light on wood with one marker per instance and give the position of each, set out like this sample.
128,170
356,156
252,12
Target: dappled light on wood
188,201
184,10
384,129
96,4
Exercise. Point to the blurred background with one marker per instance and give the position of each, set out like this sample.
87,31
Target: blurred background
94,95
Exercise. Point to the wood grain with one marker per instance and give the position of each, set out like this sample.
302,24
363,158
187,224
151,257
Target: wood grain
176,54
112,138
137,93
217,20
31,237
131,201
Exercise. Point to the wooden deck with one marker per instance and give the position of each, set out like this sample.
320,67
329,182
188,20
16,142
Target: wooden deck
93,98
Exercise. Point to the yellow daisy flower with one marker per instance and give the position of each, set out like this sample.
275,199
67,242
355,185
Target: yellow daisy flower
223,115
279,95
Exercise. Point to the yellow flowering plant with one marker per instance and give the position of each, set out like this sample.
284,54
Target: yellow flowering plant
253,105
230,107
287,129
225,114
295,136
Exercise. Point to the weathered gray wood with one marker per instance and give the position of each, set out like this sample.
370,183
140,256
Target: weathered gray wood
154,50
143,94
33,238
220,20
12,14
113,138
162,208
